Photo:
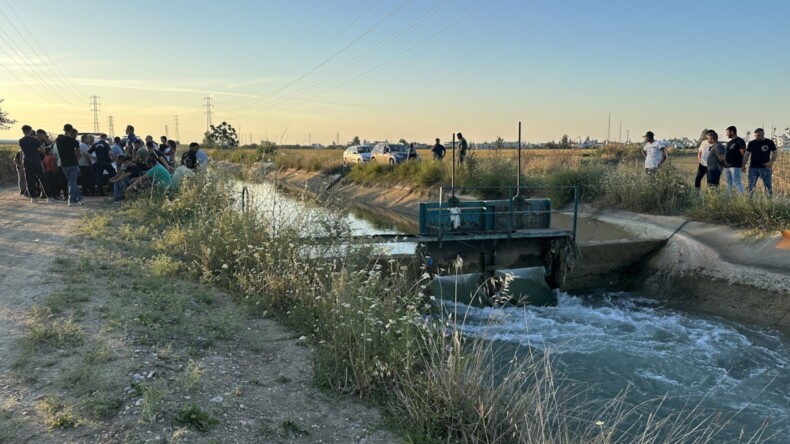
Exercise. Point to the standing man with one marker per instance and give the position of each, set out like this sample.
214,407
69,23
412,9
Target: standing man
438,150
103,152
736,148
19,162
34,172
68,151
702,162
129,140
715,159
655,153
86,161
763,154
462,147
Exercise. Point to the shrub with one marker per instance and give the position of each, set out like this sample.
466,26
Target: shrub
630,188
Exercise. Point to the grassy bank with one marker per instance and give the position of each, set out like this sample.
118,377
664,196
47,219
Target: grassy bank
374,329
7,167
604,180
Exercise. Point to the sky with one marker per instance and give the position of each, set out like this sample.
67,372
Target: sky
313,71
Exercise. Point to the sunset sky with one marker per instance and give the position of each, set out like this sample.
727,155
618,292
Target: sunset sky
302,71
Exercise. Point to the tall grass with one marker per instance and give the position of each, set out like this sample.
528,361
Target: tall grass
375,331
7,166
327,161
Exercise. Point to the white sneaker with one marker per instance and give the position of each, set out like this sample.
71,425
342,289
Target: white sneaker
33,200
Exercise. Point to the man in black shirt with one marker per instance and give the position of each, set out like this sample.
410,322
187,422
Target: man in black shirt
438,150
736,147
102,150
69,151
763,154
34,172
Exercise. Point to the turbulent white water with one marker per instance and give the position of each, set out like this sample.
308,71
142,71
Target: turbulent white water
611,340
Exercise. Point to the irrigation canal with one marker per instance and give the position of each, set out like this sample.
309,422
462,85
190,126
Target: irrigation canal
613,341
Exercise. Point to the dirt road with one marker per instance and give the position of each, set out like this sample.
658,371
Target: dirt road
256,381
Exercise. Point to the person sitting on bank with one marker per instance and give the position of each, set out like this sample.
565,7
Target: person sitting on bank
157,176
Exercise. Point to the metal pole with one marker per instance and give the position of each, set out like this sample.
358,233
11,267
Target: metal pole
518,179
575,209
452,183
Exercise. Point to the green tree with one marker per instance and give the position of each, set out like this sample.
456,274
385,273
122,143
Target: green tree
499,143
355,141
403,142
5,121
565,142
222,136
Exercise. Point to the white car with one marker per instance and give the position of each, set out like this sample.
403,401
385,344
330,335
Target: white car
356,154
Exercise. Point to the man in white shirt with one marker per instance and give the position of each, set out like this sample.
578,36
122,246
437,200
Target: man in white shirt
702,162
655,153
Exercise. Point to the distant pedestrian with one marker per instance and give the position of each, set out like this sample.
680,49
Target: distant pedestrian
412,152
655,153
438,150
19,161
715,159
69,150
34,171
463,146
762,153
702,162
733,163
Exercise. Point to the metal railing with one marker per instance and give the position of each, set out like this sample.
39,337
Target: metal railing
510,209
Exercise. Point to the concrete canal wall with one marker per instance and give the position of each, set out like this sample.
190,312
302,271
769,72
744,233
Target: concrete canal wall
690,265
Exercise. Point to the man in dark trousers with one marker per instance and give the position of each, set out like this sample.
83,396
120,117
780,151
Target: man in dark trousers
736,148
69,152
102,150
763,154
438,150
463,146
34,172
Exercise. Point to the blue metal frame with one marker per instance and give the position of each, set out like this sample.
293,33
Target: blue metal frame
500,218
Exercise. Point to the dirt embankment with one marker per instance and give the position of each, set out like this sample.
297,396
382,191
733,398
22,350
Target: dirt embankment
96,348
692,265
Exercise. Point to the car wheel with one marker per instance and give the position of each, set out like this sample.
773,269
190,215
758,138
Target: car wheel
359,160
392,161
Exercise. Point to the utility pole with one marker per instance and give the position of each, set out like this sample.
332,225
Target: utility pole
167,134
111,126
178,136
208,106
95,108
609,129
628,136
621,132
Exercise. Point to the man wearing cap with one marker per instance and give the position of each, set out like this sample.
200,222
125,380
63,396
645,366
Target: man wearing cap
655,153
762,153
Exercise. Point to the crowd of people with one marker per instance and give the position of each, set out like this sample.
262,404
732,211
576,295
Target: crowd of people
54,170
730,159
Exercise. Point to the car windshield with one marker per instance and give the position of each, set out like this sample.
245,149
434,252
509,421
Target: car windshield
363,149
394,148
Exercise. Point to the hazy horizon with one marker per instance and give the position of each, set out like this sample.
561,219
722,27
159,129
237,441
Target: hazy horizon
309,71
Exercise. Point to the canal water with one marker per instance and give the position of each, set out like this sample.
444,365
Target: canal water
610,341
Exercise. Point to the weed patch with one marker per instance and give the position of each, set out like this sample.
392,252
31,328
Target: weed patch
196,418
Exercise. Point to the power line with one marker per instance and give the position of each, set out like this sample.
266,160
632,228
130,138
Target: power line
178,136
27,66
250,100
377,25
208,106
470,14
111,126
353,62
78,92
95,108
